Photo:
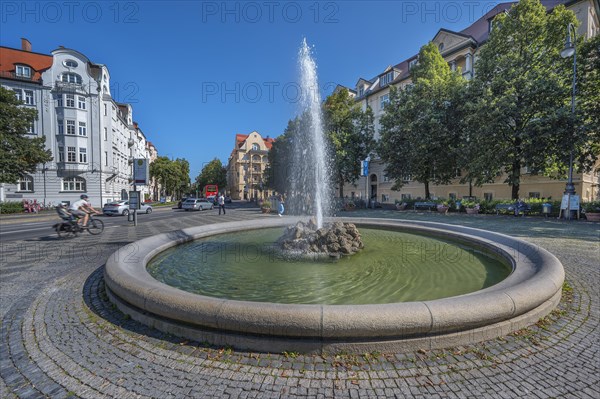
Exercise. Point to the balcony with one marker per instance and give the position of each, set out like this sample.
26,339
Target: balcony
71,87
14,76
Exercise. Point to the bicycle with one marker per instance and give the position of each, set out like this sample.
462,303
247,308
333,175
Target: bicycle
69,227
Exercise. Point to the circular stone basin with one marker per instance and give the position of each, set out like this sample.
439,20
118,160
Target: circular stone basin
393,267
530,292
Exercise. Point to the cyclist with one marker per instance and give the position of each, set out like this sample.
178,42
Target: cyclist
82,209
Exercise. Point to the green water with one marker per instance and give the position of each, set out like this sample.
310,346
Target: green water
393,267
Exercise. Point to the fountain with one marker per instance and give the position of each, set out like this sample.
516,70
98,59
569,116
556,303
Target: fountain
252,298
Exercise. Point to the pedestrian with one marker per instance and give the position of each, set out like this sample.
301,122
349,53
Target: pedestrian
221,201
281,208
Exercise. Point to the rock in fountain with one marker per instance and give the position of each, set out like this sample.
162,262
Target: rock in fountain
333,241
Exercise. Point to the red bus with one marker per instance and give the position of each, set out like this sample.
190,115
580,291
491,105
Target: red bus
210,190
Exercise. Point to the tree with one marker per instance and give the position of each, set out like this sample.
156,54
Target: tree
19,154
420,128
277,172
520,116
182,167
588,143
165,172
213,173
350,134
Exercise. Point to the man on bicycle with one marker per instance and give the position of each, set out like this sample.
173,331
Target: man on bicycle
82,209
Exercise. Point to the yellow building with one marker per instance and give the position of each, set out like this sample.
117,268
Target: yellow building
460,50
246,166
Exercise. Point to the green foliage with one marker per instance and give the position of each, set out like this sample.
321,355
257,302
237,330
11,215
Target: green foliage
11,207
173,176
213,173
520,96
280,156
19,154
591,207
420,128
350,134
266,204
588,104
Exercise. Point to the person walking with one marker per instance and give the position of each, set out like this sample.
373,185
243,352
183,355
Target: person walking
221,202
281,208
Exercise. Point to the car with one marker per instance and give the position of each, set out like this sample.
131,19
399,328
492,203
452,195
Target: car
122,208
228,200
197,204
180,203
212,199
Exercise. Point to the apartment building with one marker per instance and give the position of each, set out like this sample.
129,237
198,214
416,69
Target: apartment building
460,50
92,137
246,166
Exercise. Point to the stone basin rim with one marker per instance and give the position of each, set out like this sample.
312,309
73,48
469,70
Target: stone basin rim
531,291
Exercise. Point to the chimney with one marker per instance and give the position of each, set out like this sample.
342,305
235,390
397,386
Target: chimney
25,44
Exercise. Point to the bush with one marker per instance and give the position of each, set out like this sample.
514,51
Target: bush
266,204
11,207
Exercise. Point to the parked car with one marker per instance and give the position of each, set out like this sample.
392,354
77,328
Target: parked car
212,199
228,200
122,208
197,204
180,203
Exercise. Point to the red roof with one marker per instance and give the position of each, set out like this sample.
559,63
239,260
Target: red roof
9,57
240,138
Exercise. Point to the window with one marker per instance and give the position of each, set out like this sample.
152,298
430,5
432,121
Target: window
82,129
386,178
18,94
73,184
71,155
385,198
387,78
534,195
488,196
105,134
82,155
30,129
70,127
412,64
59,100
361,91
81,102
105,110
255,147
70,64
383,100
71,78
61,154
105,158
61,127
441,46
405,197
407,178
71,100
29,97
25,183
23,70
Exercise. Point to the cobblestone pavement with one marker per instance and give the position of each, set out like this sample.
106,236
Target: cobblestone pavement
61,338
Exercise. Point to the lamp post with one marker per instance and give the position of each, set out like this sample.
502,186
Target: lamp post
568,51
366,173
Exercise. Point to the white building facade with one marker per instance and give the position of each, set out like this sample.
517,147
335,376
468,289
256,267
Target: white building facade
93,139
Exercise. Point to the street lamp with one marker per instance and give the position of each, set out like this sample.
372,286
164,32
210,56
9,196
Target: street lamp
567,52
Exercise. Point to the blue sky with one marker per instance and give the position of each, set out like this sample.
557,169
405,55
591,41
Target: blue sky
197,73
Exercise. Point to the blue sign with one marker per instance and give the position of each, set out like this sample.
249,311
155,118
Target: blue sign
364,165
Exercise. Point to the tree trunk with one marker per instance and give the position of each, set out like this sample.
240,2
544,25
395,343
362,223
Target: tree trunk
427,193
515,179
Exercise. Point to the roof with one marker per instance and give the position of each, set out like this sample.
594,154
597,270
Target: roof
9,57
241,138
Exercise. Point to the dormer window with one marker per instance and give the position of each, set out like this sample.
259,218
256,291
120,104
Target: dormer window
70,64
386,79
23,70
71,78
255,147
441,46
361,91
412,64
